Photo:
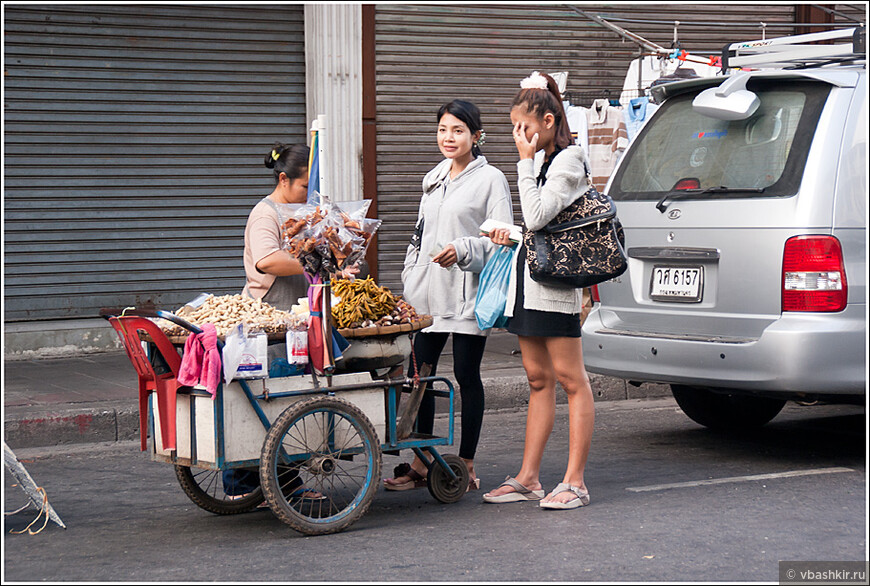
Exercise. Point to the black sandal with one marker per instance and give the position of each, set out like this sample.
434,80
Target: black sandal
416,480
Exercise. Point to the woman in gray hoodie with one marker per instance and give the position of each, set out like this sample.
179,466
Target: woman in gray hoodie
441,270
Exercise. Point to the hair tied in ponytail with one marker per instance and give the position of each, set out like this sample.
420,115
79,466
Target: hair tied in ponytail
539,102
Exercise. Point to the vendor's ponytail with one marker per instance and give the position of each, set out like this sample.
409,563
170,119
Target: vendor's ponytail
292,160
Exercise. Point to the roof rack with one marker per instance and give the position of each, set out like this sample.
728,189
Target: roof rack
796,50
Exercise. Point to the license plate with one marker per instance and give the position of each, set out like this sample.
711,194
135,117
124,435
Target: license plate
673,283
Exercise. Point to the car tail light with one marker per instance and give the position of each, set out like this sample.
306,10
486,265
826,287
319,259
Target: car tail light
687,183
813,275
594,292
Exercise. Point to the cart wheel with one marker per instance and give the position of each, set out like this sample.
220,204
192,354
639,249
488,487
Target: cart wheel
206,489
444,488
336,452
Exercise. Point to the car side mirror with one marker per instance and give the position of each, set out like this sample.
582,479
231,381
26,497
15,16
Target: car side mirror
729,101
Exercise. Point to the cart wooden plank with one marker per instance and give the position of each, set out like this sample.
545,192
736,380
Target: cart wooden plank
412,405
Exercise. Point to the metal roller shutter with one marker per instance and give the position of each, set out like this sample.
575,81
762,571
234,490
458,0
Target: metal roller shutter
427,55
134,140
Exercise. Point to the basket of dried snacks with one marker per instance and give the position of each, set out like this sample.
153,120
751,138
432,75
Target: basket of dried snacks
364,309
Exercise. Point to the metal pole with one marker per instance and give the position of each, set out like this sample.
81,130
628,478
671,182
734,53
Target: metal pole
649,45
622,32
640,72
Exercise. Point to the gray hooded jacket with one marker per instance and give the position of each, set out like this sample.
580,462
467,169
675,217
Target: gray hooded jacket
451,212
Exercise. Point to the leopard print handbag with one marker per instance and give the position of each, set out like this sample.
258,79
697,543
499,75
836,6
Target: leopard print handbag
582,246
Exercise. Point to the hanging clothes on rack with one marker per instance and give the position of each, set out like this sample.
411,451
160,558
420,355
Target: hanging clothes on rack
635,115
576,116
607,140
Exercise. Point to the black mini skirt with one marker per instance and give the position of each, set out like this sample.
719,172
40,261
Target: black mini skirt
531,322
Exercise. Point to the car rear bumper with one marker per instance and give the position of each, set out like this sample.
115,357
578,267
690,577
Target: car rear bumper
808,353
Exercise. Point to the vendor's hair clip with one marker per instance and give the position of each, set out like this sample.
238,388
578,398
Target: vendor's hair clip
275,155
535,81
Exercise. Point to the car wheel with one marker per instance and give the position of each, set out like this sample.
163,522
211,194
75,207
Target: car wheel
723,411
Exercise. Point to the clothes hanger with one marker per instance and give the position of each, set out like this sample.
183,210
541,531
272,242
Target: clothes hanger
611,101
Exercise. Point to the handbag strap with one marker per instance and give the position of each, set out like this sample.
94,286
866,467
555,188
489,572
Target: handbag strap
542,176
588,173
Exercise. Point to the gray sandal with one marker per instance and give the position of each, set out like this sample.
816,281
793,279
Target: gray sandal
520,493
581,498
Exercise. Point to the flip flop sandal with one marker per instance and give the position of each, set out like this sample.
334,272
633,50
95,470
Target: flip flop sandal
473,484
581,498
235,497
306,494
520,493
301,494
417,480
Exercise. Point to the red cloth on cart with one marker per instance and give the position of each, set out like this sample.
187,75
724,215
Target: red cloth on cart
316,346
201,362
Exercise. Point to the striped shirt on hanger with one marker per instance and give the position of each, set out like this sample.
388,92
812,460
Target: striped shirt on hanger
607,140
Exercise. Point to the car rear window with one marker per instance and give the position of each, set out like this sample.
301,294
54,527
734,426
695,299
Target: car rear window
762,156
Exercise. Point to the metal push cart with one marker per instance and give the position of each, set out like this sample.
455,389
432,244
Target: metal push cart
314,443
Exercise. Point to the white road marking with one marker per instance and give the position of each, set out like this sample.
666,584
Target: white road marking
790,474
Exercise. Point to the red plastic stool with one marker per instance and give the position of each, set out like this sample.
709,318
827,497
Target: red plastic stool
164,386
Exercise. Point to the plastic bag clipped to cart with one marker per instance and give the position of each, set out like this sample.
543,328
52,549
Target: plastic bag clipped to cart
234,347
245,354
492,289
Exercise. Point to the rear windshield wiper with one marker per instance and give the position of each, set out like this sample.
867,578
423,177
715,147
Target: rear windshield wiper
680,193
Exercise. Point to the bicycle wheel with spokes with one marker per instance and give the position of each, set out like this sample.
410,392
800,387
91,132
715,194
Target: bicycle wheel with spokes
207,490
334,449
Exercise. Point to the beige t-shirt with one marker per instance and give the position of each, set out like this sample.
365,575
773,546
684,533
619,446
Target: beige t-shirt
262,238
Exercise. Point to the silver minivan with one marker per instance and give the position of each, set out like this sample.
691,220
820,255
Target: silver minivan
744,204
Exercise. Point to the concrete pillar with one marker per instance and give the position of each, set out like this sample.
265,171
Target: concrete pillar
333,89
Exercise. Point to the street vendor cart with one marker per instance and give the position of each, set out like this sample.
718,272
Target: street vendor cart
314,441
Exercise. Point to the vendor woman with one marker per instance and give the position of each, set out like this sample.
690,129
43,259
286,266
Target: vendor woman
273,275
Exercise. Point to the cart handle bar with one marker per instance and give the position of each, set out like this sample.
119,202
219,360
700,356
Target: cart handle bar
135,311
167,315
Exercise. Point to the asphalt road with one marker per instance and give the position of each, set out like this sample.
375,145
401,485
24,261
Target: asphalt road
671,501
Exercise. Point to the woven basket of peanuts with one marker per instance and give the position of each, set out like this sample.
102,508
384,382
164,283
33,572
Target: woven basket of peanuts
226,311
366,309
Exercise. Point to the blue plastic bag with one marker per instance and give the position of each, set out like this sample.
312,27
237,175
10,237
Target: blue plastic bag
492,289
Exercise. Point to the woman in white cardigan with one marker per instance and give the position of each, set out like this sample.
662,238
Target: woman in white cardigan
546,318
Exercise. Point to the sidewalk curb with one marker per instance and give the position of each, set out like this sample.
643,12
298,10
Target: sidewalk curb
25,427
28,427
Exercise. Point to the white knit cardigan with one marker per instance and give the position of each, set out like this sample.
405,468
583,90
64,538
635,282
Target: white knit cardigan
566,181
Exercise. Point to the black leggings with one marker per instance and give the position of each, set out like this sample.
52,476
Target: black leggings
467,356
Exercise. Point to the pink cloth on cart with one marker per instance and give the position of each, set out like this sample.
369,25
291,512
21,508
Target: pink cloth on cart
201,362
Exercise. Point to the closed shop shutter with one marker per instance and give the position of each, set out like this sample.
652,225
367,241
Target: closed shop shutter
134,141
428,55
